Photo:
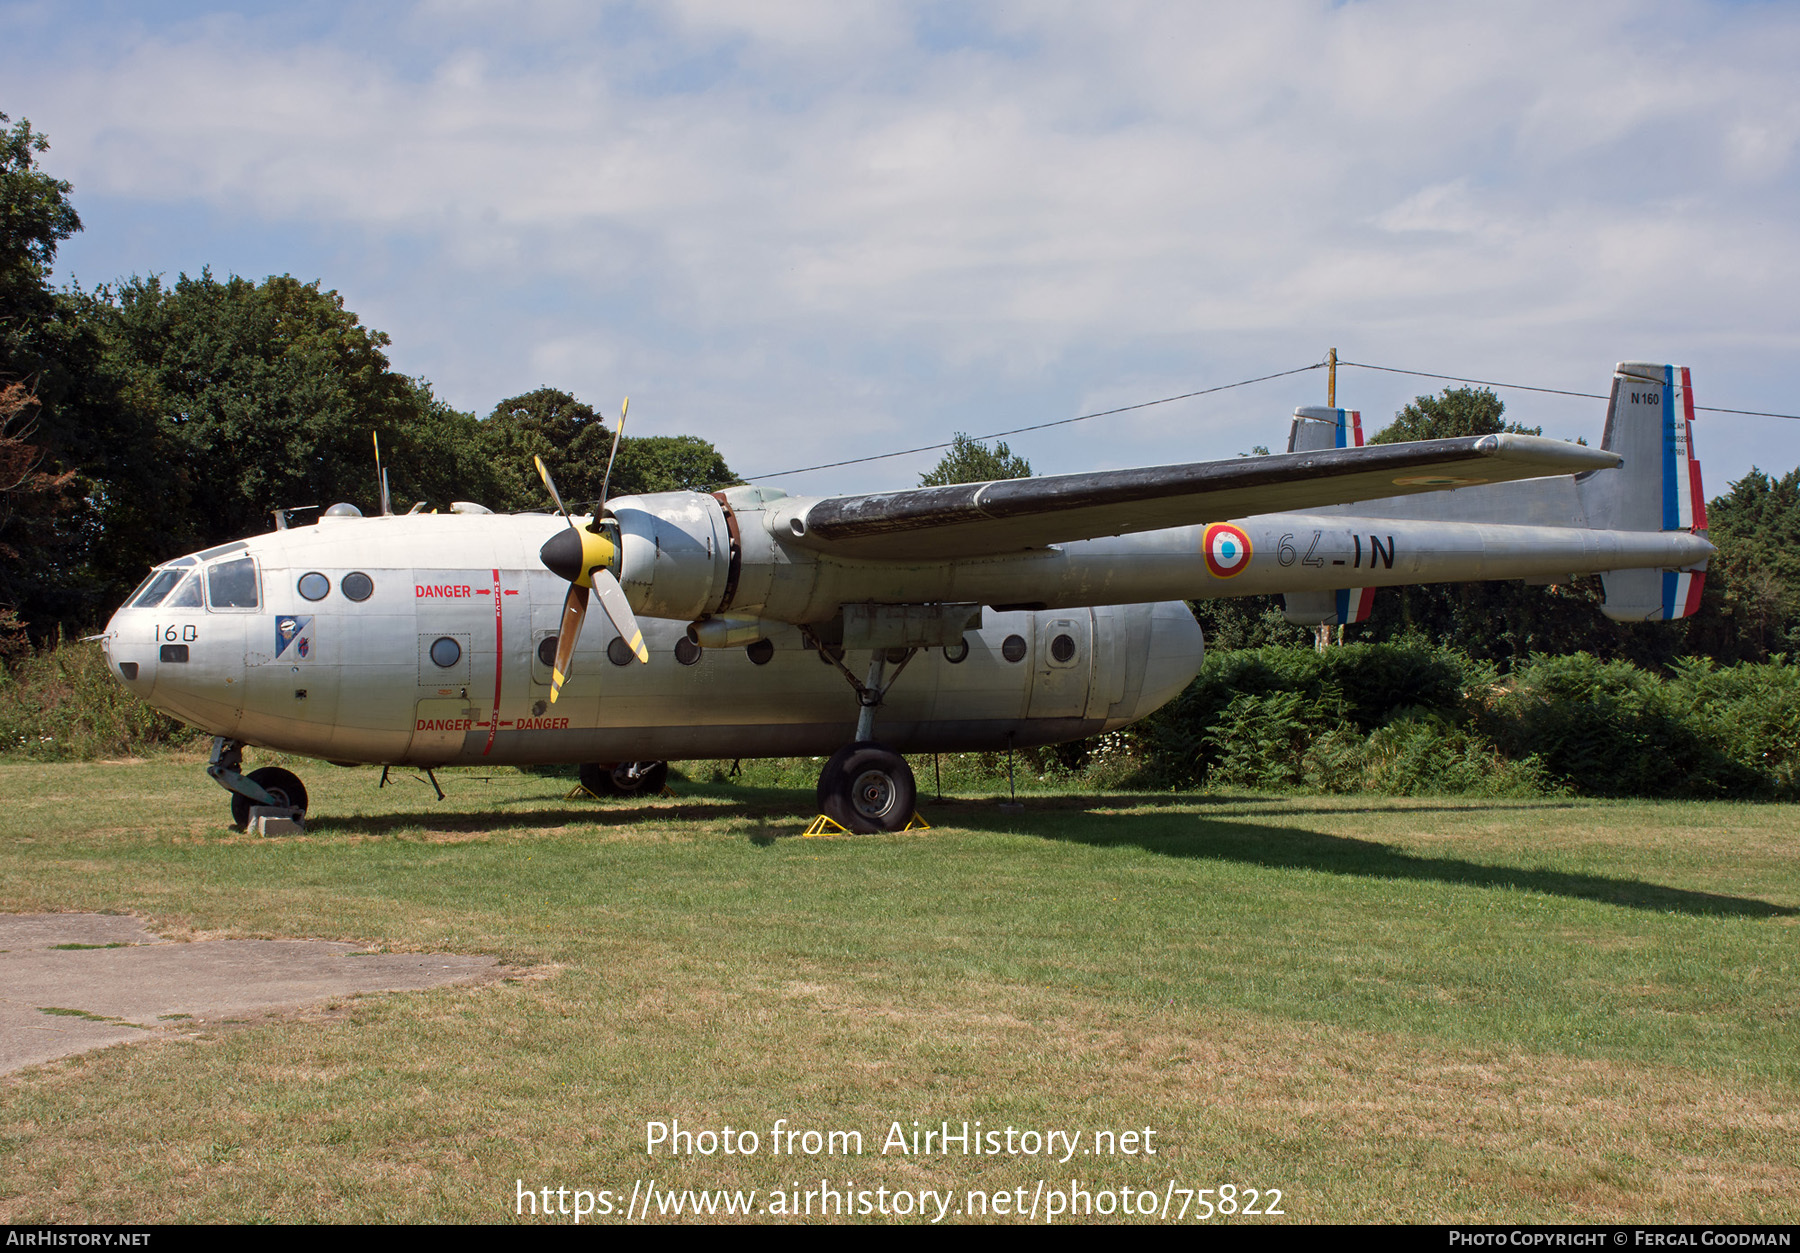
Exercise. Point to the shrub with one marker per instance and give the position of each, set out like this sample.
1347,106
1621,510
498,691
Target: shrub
64,703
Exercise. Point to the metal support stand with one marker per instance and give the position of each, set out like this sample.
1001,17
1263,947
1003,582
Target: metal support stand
434,782
384,774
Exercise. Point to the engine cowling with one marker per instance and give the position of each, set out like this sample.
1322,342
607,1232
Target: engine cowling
675,553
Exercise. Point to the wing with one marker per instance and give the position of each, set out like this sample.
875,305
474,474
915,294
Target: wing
977,519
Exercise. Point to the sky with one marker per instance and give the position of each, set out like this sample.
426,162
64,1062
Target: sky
816,231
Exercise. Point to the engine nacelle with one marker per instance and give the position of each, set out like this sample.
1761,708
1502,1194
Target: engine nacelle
675,553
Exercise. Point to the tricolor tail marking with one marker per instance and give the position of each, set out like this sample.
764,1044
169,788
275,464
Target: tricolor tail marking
1354,604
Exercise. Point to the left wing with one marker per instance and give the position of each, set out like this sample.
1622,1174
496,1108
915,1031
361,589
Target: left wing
1009,515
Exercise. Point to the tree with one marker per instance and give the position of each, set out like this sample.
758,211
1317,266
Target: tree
575,443
1750,607
35,216
265,394
971,461
1459,411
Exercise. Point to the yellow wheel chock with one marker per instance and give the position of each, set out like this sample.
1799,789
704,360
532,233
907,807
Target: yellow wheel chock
831,826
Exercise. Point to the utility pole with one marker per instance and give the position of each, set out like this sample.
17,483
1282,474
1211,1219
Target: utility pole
1323,640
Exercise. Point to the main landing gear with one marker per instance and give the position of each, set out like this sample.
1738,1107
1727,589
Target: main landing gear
271,785
625,778
867,787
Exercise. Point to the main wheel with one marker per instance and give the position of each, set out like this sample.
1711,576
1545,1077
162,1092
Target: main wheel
867,787
640,778
597,778
625,778
283,785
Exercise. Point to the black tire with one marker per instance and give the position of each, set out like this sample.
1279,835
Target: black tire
640,778
625,778
597,778
867,787
283,785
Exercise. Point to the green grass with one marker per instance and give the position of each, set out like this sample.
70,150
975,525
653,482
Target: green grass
1390,1009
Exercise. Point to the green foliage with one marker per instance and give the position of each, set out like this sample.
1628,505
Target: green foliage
1459,411
575,442
35,216
1751,604
64,704
1606,728
971,461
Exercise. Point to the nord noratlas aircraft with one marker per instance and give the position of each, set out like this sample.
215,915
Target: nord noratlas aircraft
983,616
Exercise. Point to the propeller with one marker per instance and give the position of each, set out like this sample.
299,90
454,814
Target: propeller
585,556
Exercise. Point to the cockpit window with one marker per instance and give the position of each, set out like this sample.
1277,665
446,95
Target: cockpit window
232,584
159,586
187,596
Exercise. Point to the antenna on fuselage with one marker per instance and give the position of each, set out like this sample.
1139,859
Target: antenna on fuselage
381,480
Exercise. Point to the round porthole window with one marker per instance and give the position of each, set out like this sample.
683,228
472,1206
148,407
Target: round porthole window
547,650
1063,648
956,653
315,586
762,652
357,585
445,652
619,652
686,651
1014,648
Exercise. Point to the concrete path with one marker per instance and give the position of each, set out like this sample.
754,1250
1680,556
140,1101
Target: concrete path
73,982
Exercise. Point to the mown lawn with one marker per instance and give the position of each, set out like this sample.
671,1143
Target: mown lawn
1387,1009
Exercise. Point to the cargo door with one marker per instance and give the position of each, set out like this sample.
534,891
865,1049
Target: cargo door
1064,664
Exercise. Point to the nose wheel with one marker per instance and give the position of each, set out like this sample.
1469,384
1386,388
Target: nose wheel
867,787
282,785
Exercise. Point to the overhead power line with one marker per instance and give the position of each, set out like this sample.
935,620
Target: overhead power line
1040,426
1225,387
1554,391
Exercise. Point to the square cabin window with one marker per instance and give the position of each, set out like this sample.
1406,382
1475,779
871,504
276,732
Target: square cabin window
232,584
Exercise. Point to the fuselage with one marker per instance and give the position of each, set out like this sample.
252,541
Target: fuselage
421,640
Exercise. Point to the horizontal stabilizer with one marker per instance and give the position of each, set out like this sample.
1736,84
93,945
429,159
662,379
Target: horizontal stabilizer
974,519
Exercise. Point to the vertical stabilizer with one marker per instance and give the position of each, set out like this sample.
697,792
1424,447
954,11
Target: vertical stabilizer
1317,428
1650,423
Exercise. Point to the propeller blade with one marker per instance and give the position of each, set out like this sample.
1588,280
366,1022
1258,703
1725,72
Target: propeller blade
574,613
544,473
612,600
606,482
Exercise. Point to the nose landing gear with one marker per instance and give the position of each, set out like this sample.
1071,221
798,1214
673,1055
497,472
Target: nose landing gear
271,785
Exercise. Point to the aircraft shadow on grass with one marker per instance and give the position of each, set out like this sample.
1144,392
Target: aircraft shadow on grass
1141,822
1299,848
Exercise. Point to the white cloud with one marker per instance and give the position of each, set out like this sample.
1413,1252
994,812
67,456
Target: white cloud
783,214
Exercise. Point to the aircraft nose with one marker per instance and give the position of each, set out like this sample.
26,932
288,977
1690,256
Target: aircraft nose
561,554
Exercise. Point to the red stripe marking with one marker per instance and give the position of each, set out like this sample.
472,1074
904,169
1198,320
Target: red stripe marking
1699,493
1365,604
499,668
1693,596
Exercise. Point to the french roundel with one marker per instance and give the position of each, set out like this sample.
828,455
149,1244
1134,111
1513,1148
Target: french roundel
1227,550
